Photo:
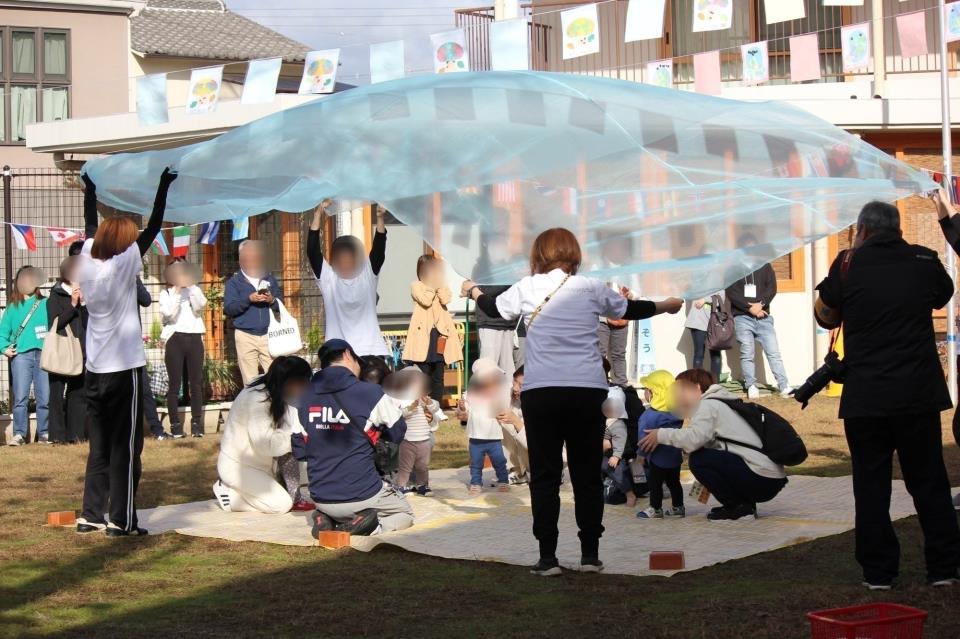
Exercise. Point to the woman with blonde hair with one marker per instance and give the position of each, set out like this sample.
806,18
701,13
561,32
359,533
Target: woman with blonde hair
564,384
110,263
433,342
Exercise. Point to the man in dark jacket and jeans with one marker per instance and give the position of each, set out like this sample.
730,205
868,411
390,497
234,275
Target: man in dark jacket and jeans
341,418
884,292
249,298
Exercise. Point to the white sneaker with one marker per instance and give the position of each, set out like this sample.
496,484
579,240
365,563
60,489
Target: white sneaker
222,495
753,392
956,501
944,583
17,440
877,587
786,392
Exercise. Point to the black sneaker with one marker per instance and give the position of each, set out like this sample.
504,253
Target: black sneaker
733,513
197,435
84,526
364,523
423,491
590,564
116,531
321,522
546,568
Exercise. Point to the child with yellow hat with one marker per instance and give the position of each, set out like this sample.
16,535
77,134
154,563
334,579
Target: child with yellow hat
663,464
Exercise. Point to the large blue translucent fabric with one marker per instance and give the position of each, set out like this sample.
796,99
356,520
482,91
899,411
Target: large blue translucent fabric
671,192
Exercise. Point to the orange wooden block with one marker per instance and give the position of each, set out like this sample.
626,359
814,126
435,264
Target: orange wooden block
62,518
666,560
333,539
486,462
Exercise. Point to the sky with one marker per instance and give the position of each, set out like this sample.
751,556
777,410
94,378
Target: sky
352,25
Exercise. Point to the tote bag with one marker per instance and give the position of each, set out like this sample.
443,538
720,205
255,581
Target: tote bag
720,327
61,354
283,334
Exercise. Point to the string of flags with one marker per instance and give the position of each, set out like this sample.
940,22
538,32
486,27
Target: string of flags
581,35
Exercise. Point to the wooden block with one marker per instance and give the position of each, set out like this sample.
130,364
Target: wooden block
666,560
333,539
62,518
486,462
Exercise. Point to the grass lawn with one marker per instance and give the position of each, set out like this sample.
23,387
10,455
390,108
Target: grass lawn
56,583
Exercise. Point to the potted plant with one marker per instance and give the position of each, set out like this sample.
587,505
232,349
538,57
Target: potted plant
221,379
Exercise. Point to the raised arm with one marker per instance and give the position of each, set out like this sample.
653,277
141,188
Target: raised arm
156,216
949,219
90,220
314,250
378,252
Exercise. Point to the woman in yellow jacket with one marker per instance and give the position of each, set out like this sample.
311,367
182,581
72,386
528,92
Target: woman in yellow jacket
432,339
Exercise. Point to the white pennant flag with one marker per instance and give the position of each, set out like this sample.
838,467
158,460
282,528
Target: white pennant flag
450,52
204,91
509,45
152,99
260,85
320,72
386,61
644,20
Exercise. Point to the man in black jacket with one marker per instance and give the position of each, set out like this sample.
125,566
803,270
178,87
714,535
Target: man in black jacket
884,292
750,300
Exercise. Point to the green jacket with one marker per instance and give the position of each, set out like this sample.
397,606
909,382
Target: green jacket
31,338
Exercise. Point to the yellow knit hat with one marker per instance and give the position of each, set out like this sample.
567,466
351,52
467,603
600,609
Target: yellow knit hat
659,383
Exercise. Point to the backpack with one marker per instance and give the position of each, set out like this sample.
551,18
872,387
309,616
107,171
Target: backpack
720,326
780,442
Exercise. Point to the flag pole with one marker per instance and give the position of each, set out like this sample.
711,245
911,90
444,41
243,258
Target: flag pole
948,179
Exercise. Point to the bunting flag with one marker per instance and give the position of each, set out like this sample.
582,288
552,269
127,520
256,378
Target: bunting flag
951,20
660,73
159,245
204,91
63,237
644,20
581,33
181,241
241,228
706,72
804,58
450,52
712,15
23,237
320,72
784,10
855,46
386,61
208,232
152,99
912,34
756,63
509,45
260,84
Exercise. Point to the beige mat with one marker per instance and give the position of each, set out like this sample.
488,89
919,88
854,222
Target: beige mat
496,526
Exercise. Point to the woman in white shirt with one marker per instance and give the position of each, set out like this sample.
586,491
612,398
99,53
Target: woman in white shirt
110,264
181,311
739,477
255,444
564,384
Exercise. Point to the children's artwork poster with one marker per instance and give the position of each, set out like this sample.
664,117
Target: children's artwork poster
660,73
712,15
646,353
855,46
756,62
320,72
450,53
581,31
951,21
644,20
204,90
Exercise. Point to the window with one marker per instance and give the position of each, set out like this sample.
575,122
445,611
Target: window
34,79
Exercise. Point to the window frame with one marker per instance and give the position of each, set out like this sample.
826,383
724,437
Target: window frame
39,79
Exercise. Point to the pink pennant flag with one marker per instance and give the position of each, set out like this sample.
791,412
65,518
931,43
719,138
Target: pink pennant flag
706,72
912,32
804,58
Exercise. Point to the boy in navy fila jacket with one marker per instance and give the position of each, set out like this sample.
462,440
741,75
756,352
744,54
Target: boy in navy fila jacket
341,419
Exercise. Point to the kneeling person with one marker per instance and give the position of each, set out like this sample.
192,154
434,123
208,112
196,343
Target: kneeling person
341,419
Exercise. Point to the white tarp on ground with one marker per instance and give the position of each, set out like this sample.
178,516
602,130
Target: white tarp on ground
496,526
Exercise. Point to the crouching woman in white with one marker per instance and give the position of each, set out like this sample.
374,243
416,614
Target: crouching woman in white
256,439
739,477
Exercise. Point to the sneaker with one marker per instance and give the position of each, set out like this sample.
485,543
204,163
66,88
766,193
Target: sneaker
676,511
117,531
177,436
753,392
877,587
406,490
222,495
650,513
302,506
43,439
949,582
363,523
164,437
423,491
17,440
197,435
546,568
733,513
84,526
503,488
515,479
590,564
321,522
475,489
786,392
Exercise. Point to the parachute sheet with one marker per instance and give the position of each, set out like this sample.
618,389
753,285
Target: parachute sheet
669,191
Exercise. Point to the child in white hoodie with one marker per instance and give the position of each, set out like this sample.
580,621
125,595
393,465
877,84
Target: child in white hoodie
488,397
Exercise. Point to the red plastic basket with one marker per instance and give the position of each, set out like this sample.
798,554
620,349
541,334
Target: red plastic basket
871,621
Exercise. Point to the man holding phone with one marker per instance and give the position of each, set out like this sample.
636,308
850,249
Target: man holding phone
249,297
